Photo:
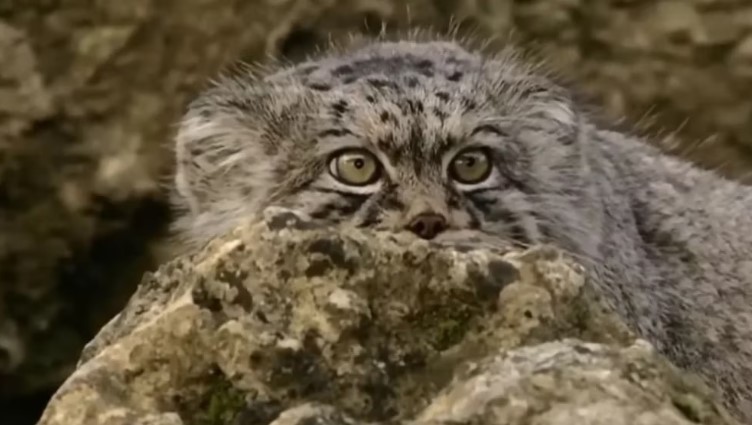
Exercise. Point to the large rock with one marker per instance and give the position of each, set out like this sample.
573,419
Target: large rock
285,322
90,91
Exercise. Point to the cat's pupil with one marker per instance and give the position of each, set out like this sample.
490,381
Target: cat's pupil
469,162
359,163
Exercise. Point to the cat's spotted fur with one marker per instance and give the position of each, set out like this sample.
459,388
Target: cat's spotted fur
670,244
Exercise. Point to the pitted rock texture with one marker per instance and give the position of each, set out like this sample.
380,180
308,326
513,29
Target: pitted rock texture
287,322
90,91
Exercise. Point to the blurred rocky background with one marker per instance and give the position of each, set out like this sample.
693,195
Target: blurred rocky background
91,90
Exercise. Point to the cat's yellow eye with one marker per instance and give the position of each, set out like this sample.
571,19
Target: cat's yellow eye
470,166
355,167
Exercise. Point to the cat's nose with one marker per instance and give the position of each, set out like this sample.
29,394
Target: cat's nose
427,225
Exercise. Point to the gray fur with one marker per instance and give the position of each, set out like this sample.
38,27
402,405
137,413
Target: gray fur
670,243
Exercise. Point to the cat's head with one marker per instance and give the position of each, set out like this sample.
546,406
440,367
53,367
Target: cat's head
425,137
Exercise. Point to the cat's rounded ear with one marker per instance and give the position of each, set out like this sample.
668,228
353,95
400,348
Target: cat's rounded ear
200,139
226,142
558,116
524,87
216,140
557,108
547,101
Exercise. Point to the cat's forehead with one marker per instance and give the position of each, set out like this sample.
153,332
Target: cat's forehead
403,123
399,62
404,99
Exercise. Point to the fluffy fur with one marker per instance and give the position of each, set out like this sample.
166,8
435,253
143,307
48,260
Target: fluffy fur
670,244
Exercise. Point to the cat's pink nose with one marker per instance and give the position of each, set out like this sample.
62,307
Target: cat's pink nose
427,225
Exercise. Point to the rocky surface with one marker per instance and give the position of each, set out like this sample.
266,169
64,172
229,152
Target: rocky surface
90,91
285,322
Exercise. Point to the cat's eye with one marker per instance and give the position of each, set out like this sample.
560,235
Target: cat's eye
355,167
470,166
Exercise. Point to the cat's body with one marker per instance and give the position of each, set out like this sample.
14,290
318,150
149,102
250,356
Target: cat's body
453,145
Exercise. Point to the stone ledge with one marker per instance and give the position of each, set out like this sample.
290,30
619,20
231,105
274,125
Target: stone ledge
286,322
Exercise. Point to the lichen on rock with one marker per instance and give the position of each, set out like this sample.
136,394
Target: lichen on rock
284,321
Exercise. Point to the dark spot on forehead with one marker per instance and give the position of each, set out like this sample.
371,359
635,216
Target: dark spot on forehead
412,106
469,104
412,81
380,84
343,69
370,99
340,106
385,116
455,76
425,68
425,63
320,86
443,96
438,113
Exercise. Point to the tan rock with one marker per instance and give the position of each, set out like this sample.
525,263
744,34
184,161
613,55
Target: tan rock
284,322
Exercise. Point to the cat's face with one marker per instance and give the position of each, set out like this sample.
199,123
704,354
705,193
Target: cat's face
425,138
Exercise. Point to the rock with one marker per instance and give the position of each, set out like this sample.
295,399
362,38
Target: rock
286,322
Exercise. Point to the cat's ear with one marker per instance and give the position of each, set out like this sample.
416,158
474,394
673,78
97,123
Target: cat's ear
227,143
558,109
530,92
218,143
210,146
223,165
549,102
